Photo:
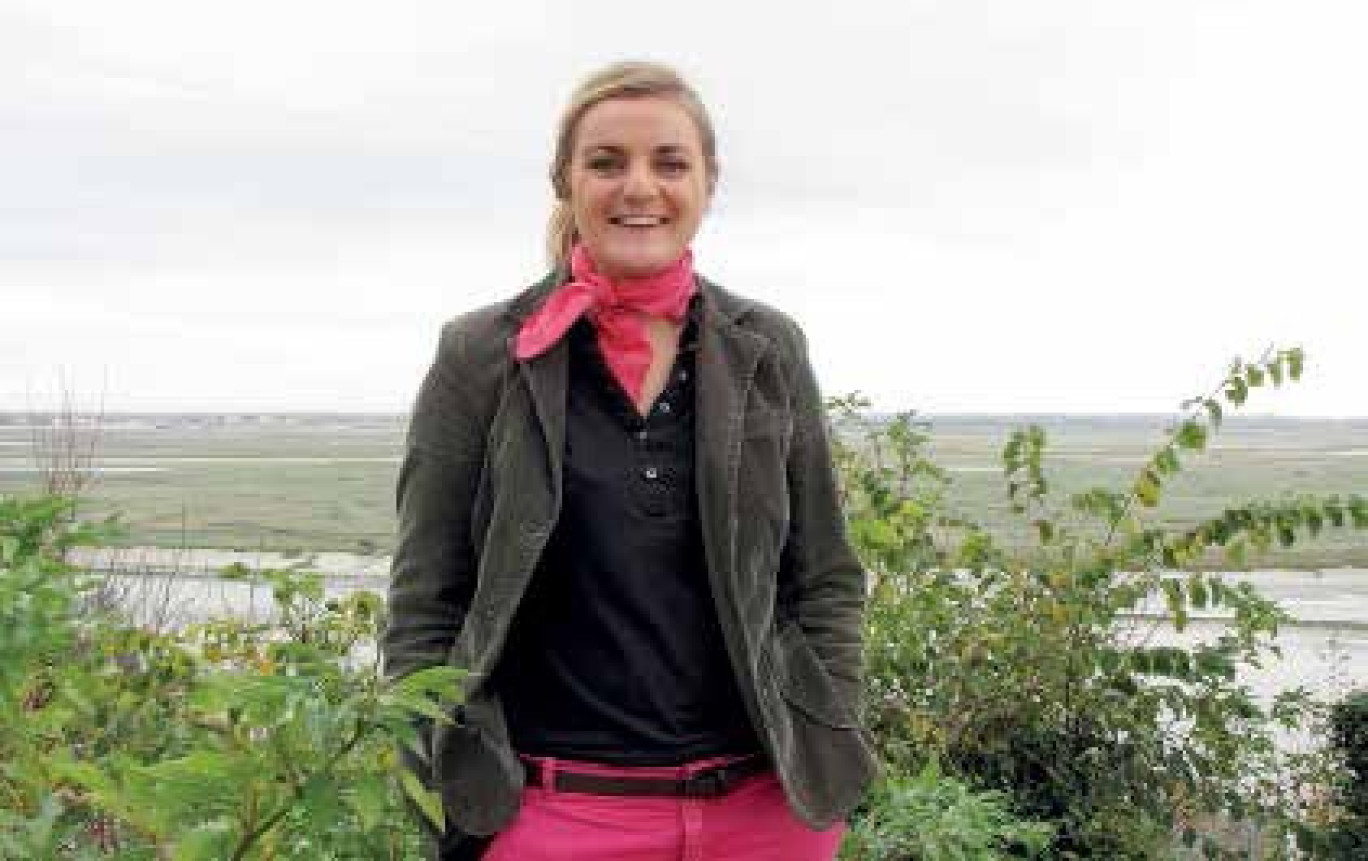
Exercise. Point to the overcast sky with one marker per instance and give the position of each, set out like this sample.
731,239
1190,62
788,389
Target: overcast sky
970,206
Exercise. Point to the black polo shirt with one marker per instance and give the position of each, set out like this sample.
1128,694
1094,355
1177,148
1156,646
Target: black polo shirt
616,654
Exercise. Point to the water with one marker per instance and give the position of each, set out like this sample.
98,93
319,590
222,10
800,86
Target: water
1324,650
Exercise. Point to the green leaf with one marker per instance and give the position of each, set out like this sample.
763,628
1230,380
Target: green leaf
1197,593
1166,461
1192,436
1173,593
1211,662
421,705
1295,358
430,803
1286,537
1358,511
1141,662
1334,512
1147,488
1161,662
368,796
1313,520
1236,391
442,681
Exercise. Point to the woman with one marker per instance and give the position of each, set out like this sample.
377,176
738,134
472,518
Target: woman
618,512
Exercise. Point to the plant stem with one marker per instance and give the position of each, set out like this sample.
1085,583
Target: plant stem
298,791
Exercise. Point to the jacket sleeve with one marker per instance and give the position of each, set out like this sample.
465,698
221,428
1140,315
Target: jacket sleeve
820,576
432,575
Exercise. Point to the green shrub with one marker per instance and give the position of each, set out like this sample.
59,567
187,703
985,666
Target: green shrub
1037,674
932,817
231,740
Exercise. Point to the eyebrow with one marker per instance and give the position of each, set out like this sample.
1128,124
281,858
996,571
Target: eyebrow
664,149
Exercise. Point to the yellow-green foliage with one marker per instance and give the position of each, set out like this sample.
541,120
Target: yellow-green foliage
1036,673
230,740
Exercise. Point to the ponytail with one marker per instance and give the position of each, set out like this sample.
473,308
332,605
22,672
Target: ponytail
560,234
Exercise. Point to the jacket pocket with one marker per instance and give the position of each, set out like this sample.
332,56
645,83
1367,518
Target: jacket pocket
804,682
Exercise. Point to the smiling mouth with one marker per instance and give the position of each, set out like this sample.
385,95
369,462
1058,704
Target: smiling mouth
638,221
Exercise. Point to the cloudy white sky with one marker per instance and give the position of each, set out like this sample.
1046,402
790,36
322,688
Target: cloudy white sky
971,206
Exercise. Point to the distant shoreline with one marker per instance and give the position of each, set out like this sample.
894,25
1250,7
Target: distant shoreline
207,561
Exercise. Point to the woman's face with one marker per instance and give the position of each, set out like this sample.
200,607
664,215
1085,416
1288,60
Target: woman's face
638,184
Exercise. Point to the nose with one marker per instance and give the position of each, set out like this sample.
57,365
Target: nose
639,183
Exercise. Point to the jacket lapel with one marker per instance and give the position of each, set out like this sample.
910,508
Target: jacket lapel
727,358
546,378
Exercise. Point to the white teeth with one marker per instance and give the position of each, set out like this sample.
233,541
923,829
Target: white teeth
638,221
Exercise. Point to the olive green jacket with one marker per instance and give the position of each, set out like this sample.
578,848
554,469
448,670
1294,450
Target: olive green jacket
479,492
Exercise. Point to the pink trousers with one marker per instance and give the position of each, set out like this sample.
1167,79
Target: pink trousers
751,823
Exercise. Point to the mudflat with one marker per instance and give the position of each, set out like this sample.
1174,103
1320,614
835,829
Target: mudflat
300,482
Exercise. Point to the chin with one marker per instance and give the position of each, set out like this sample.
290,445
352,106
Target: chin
639,264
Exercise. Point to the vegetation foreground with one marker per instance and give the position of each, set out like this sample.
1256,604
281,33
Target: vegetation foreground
1020,708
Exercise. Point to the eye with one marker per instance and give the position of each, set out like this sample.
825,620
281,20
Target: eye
672,166
603,163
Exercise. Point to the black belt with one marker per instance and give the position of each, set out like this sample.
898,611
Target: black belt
711,782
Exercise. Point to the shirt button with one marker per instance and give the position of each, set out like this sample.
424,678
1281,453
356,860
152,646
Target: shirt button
651,473
683,376
664,407
641,435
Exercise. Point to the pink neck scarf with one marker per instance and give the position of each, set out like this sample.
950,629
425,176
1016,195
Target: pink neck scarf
615,309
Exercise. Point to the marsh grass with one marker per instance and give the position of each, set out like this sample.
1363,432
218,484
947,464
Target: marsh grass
326,483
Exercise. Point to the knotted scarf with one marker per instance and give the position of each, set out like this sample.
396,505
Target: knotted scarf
615,308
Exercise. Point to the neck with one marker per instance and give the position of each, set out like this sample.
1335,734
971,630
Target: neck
582,263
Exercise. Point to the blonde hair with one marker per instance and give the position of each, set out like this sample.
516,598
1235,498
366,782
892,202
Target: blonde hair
624,80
